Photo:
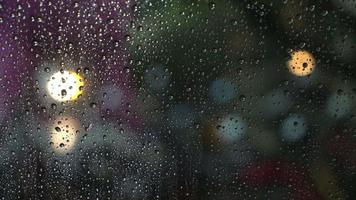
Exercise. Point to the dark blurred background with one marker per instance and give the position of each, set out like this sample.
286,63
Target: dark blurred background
170,99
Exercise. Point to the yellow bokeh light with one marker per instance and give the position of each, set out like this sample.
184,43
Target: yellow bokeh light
65,86
302,63
64,134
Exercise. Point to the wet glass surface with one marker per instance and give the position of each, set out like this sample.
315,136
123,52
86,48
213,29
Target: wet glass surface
201,99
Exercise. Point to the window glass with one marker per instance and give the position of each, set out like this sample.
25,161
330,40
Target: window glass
199,99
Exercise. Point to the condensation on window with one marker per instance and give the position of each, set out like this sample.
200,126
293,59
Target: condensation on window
200,99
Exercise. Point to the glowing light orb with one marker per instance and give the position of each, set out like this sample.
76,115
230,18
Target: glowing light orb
231,128
65,86
339,105
294,128
112,97
64,134
222,91
302,63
